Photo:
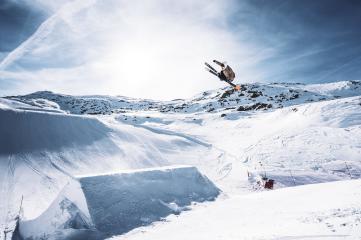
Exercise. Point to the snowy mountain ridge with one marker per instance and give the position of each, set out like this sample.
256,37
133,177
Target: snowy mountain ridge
251,97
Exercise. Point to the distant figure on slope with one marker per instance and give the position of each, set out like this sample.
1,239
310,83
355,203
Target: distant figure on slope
226,74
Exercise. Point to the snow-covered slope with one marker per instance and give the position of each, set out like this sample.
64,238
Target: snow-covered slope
320,211
264,96
300,144
296,134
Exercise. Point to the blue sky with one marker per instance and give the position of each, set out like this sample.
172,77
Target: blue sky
157,49
17,22
316,41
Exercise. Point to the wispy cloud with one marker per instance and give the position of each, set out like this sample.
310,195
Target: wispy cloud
152,49
156,49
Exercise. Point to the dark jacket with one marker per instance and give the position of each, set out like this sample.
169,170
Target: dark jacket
228,73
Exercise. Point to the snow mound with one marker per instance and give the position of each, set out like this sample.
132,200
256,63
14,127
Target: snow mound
43,105
37,131
338,89
112,204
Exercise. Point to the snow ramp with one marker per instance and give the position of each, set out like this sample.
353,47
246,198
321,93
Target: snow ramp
96,207
30,131
40,152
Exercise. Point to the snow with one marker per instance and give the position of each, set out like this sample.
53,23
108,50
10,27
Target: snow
318,211
273,95
111,204
40,152
83,104
295,134
69,210
8,104
340,89
311,142
63,131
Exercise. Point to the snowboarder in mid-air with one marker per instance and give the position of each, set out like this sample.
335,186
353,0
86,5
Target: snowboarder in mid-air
226,74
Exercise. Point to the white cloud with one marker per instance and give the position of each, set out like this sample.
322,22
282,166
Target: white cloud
150,49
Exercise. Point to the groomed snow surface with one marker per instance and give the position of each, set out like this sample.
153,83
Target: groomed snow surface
317,211
80,176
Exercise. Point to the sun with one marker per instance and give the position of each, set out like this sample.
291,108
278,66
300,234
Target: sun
134,63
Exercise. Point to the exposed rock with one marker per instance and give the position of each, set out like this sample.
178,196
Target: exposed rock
256,106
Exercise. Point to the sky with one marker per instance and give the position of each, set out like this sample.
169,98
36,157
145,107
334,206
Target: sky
157,49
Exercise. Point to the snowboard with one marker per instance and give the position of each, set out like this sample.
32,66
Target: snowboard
214,72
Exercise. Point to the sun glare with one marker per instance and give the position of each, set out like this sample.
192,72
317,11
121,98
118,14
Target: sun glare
132,63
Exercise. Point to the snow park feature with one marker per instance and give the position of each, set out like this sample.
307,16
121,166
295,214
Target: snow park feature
65,160
41,151
112,204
